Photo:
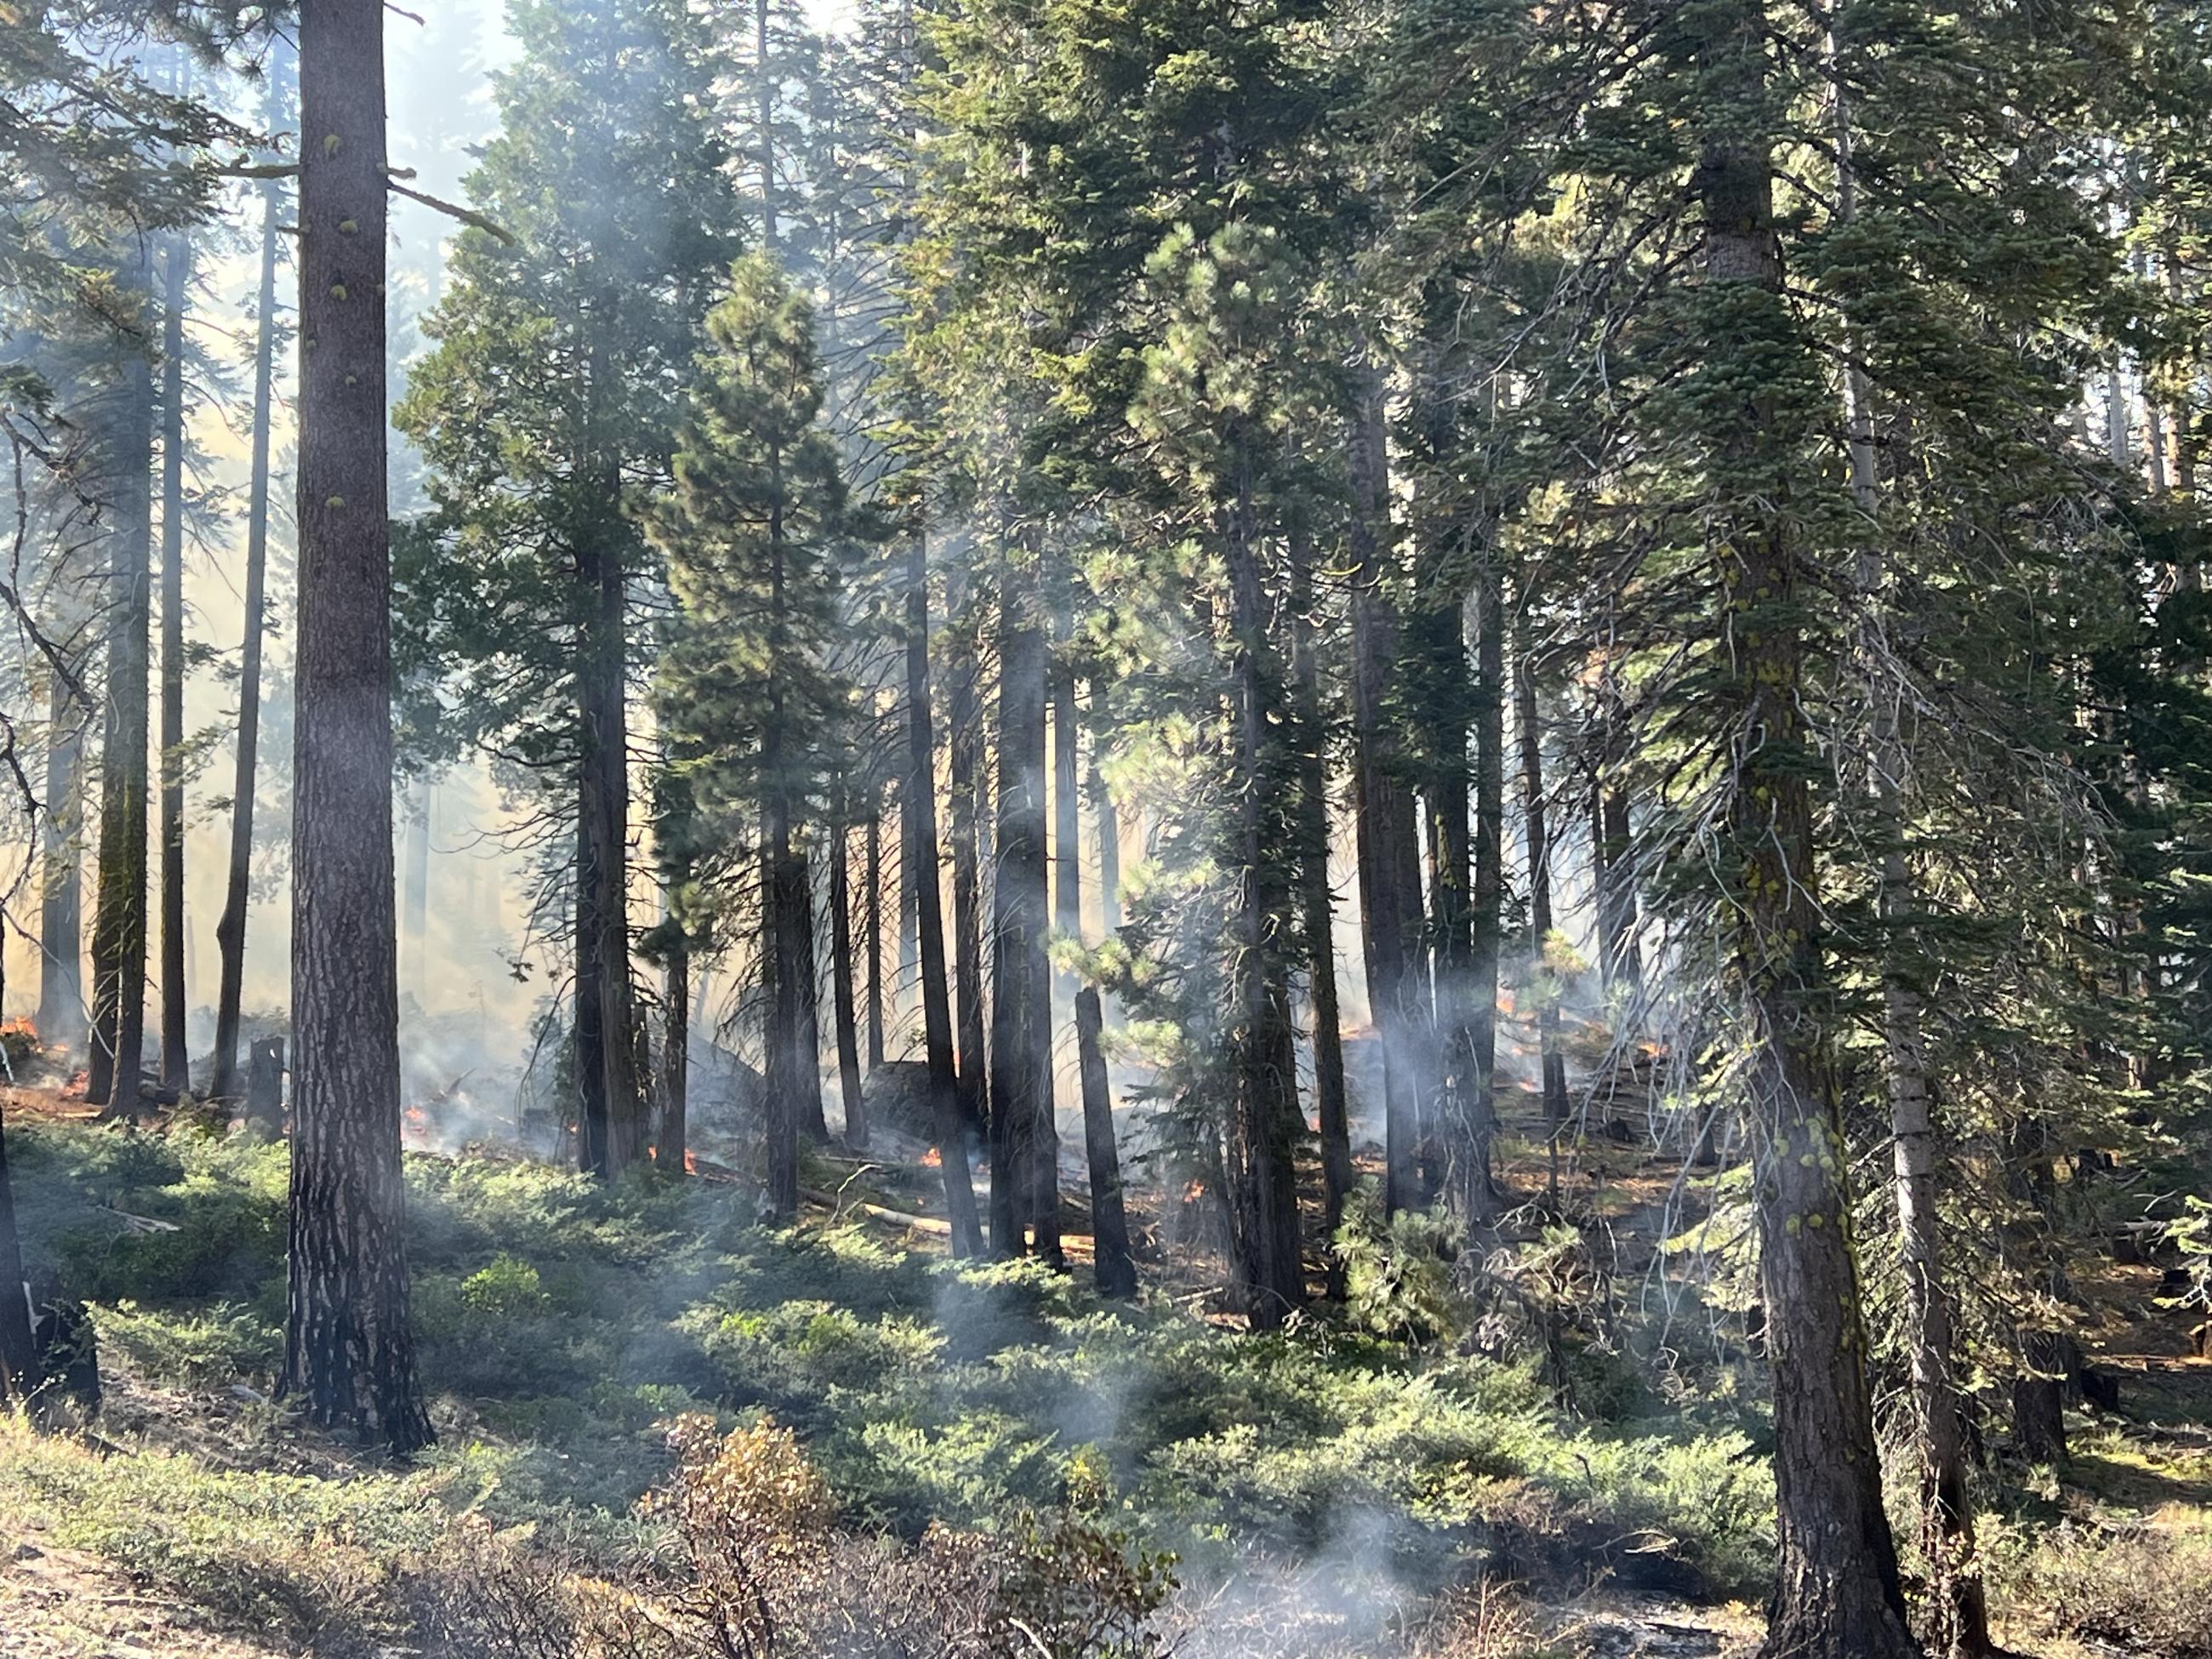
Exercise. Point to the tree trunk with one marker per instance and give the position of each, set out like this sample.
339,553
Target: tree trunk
1024,1141
119,927
265,1086
349,1342
873,928
673,1140
19,1359
919,833
785,963
841,982
1383,808
1836,1589
1107,819
1113,1266
606,1043
965,747
230,931
813,1121
176,1058
1266,1276
61,877
1066,801
1529,718
1318,900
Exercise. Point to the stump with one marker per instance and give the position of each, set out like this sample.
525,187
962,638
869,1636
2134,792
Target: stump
265,1086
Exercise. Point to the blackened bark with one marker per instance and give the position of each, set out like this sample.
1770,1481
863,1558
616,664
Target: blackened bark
176,272
349,1342
1529,718
1113,1266
813,1121
965,752
1836,1589
841,982
1382,807
1266,1277
230,931
1318,902
1024,1150
119,927
784,903
919,833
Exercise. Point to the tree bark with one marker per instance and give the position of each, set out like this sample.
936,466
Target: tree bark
1107,819
1024,1140
1113,1266
348,1341
813,1121
673,1140
119,927
840,981
1266,1276
230,931
1534,816
919,833
1836,1591
1318,901
176,271
19,1359
61,1019
1388,877
873,928
965,747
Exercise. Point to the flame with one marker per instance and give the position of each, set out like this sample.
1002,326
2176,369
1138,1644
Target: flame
690,1164
415,1122
1194,1192
79,1082
932,1159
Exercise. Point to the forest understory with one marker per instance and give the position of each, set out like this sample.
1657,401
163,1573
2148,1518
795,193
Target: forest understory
1384,1479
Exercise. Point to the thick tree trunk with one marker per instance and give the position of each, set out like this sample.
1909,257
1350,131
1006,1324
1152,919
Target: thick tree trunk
813,1121
784,876
61,1019
1107,818
349,1343
1835,1593
1113,1266
1534,817
841,982
606,1041
1066,801
1318,901
919,833
1025,1153
230,931
1266,1276
1388,874
176,1058
119,927
965,748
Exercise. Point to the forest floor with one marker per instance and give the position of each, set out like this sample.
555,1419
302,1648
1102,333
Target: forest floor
1590,1439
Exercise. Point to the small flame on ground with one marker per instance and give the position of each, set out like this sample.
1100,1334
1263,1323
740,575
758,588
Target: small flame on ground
1194,1192
932,1159
78,1084
690,1164
418,1121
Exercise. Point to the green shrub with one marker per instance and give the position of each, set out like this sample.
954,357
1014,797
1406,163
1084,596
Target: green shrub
199,1349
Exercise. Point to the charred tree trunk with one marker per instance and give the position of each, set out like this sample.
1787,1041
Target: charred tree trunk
348,1341
784,878
1388,855
230,931
1113,1266
1318,902
176,271
119,927
1837,1592
1266,1275
920,834
814,1120
1023,1149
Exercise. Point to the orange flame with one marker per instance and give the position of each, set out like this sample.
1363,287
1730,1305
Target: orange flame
932,1159
1194,1192
690,1164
